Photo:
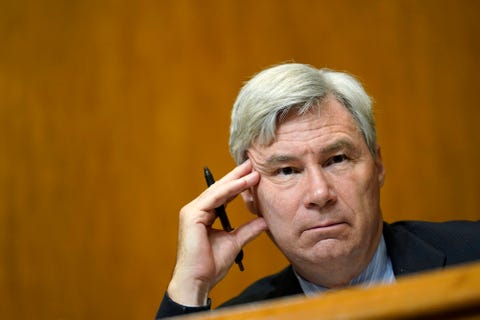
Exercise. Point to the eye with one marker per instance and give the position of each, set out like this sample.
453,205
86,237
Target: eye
285,171
336,159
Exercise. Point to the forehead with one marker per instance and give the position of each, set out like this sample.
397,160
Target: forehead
327,114
325,127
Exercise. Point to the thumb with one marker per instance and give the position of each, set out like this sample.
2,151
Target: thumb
250,230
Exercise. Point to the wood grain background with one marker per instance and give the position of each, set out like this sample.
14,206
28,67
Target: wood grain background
110,109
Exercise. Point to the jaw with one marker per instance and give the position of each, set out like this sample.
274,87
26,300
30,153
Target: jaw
332,262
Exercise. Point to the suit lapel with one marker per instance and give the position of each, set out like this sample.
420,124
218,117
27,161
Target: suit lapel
408,252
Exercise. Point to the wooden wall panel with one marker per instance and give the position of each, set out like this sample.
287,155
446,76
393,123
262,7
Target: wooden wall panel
110,109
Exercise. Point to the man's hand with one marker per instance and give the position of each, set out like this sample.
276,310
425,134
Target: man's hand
205,254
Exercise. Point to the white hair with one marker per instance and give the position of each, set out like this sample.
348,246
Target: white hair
272,93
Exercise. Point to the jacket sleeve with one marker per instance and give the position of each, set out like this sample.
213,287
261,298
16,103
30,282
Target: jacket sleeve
169,308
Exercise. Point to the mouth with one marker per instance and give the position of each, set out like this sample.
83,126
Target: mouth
327,226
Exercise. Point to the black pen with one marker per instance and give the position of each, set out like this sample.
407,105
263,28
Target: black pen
222,215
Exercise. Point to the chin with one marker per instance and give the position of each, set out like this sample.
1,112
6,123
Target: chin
329,250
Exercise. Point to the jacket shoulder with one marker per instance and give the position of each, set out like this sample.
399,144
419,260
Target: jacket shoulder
458,240
457,231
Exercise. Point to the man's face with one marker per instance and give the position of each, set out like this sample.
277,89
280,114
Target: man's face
319,193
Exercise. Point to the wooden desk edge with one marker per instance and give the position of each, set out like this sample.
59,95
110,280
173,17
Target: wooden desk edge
454,291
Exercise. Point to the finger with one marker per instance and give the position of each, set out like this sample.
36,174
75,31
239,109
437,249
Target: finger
238,172
220,194
202,209
249,231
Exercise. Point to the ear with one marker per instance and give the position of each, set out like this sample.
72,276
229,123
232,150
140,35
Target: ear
250,202
380,167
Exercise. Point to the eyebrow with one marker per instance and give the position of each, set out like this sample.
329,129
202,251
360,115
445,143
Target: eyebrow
342,144
282,158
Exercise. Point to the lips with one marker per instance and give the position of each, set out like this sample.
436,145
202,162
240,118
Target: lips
326,225
326,230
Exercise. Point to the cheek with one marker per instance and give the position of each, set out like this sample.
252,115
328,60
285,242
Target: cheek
362,186
277,206
365,203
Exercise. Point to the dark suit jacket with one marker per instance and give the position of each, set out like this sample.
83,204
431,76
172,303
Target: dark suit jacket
412,246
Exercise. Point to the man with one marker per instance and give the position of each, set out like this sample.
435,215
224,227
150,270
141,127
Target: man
311,171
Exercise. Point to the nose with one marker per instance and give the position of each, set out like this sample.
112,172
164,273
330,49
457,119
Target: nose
319,191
